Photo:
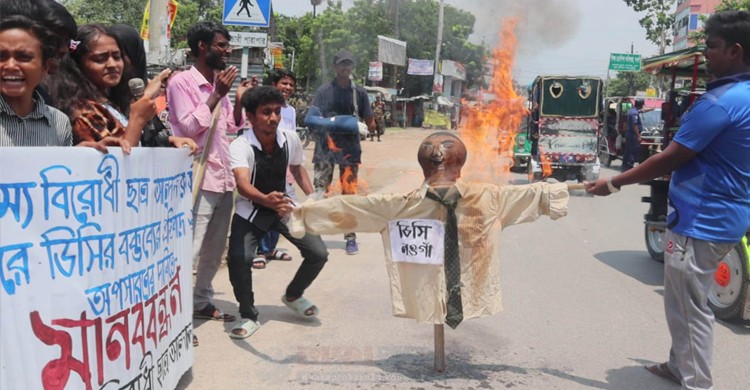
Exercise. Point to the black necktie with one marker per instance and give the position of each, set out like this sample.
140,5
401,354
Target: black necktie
452,262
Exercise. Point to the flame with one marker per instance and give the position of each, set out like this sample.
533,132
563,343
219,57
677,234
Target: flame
332,146
490,129
345,184
546,165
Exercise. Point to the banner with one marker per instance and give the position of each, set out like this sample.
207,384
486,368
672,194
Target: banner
95,268
391,51
437,84
375,71
172,12
421,67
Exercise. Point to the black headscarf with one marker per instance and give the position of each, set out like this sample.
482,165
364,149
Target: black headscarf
133,46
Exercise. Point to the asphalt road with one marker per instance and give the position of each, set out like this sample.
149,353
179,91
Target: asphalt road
583,310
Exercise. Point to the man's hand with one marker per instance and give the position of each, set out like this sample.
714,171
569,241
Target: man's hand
224,81
108,141
184,142
598,187
241,89
278,202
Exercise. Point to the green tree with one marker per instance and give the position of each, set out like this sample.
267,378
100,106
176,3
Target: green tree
627,83
657,21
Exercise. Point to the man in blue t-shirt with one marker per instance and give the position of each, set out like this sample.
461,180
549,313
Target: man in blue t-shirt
709,196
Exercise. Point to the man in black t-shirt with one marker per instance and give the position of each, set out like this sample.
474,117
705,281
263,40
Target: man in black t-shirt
340,145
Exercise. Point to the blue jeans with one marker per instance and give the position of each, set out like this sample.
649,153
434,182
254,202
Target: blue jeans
268,242
243,245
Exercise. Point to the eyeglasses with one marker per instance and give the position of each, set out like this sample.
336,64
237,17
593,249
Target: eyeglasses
224,46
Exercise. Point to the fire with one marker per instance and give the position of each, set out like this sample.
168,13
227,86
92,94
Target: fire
345,185
332,146
490,129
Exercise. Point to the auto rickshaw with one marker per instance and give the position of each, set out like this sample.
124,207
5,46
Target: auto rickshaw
729,297
564,127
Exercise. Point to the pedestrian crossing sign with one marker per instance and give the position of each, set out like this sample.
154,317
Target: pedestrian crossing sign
247,12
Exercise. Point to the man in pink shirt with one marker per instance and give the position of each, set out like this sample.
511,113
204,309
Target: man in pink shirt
192,96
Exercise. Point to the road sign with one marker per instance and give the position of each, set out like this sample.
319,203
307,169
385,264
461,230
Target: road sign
623,62
248,39
247,12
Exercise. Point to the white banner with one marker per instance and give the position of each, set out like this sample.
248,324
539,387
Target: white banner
95,268
375,71
421,67
391,51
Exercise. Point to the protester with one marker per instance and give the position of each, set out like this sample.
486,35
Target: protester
285,81
709,196
26,51
333,146
91,87
52,15
192,95
260,159
134,55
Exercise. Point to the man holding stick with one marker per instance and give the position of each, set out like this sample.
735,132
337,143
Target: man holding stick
709,196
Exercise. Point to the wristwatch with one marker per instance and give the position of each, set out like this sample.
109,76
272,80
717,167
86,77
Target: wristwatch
611,187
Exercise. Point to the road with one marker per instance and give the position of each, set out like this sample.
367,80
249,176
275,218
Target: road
582,310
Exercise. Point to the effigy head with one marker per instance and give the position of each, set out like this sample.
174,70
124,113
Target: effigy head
441,156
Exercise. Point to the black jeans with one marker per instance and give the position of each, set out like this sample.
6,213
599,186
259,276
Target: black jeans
243,244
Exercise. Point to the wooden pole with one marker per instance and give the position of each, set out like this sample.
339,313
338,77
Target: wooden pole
439,348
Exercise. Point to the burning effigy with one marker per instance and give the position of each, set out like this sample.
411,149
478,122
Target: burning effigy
441,241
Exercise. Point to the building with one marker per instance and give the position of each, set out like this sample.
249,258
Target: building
687,19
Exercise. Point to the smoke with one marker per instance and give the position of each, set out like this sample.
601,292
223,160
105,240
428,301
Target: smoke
542,23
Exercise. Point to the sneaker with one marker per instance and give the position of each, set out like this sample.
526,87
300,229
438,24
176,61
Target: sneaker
351,247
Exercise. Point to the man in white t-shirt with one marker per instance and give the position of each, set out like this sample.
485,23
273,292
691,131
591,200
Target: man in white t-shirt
285,81
269,150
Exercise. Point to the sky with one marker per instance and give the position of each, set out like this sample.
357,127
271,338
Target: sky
571,37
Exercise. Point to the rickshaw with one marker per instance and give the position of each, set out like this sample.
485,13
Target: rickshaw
729,297
564,128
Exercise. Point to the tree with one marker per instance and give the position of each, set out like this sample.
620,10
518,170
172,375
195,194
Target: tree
627,83
657,21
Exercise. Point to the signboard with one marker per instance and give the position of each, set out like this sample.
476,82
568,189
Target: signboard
247,13
375,71
95,268
248,39
623,62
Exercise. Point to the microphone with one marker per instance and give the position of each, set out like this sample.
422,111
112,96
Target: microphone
137,88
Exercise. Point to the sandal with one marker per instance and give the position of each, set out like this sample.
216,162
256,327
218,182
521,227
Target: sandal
259,262
301,306
247,326
279,254
211,312
662,370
